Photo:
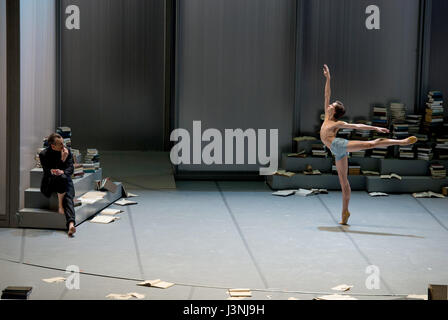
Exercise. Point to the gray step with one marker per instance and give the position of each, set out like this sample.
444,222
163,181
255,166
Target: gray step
324,181
404,167
47,219
36,175
35,199
408,184
293,164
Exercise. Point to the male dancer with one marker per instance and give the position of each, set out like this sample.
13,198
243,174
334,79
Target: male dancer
57,162
340,147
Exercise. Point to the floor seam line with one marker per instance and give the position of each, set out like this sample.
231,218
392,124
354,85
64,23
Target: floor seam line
137,250
431,214
263,279
366,258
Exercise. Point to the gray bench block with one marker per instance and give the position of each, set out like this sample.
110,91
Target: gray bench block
367,164
36,175
299,164
35,199
404,167
409,184
325,181
47,219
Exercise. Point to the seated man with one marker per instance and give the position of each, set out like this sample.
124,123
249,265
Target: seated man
57,162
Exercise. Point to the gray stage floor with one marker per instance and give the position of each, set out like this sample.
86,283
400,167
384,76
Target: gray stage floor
209,236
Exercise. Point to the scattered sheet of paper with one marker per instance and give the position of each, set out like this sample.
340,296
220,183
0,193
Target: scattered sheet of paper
391,176
378,194
335,297
54,280
92,197
240,293
304,192
342,287
292,298
104,219
132,195
284,193
111,212
370,173
284,173
312,173
126,296
124,202
319,191
157,283
428,194
418,296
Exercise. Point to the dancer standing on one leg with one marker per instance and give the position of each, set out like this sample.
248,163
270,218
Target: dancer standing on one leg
340,147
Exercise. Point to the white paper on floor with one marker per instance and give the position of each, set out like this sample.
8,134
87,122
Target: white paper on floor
284,193
378,194
342,287
104,219
111,212
54,280
124,202
239,293
418,296
157,283
335,297
126,296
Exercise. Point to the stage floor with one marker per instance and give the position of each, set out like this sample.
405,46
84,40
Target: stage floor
209,236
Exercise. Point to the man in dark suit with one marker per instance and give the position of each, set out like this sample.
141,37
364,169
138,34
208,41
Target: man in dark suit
57,162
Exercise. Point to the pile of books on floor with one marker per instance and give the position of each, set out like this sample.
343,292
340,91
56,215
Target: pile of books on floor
354,170
78,171
441,150
424,152
66,134
406,152
414,122
400,131
397,112
438,171
380,117
434,110
319,150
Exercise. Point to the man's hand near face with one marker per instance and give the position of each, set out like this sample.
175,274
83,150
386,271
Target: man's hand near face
64,154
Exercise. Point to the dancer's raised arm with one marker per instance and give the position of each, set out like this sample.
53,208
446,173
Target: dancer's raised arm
356,126
327,88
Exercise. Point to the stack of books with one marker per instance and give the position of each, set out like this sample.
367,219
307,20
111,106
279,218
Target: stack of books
424,152
359,154
92,156
380,153
380,117
441,150
362,135
90,167
37,159
407,152
79,171
345,133
397,112
434,110
354,170
16,293
414,122
319,150
400,131
66,134
438,171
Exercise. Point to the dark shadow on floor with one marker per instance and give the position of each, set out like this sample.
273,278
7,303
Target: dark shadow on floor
347,230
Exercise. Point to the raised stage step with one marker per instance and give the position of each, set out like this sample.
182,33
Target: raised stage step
409,184
35,199
324,181
48,219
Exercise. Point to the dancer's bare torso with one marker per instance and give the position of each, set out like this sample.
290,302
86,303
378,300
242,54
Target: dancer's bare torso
328,131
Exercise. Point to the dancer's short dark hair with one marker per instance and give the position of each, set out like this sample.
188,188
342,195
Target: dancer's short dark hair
339,110
52,138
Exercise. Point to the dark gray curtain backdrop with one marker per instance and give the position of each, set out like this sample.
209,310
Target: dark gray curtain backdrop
236,67
367,67
438,65
113,75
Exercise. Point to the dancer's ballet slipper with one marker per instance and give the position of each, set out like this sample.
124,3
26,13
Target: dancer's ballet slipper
412,140
345,217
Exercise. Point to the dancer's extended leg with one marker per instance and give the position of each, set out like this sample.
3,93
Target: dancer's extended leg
342,167
354,146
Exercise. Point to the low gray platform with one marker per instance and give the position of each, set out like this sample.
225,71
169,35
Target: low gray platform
409,184
324,181
48,219
35,199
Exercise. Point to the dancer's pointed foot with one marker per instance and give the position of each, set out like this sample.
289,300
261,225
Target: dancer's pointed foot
345,217
411,140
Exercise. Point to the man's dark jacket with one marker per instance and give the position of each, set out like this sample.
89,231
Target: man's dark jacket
51,159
